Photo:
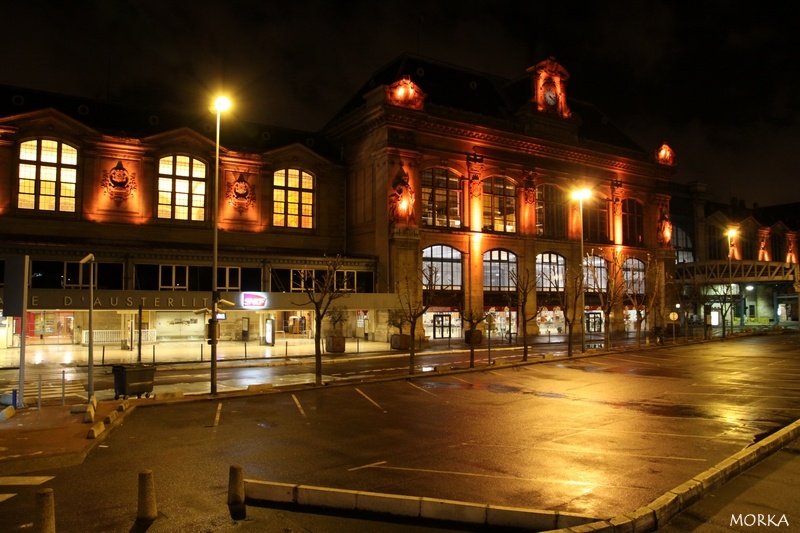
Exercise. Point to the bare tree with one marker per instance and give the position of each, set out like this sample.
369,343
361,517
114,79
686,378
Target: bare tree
605,281
525,285
416,296
322,288
473,317
566,296
635,284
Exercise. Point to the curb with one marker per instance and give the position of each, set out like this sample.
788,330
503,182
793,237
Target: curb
410,506
96,434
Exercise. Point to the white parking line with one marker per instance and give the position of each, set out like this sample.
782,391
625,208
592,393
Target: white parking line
370,400
299,407
420,388
24,480
498,476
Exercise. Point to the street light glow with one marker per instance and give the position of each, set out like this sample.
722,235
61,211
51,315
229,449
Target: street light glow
581,194
222,103
732,233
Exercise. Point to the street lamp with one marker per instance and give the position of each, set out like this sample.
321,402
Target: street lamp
581,195
731,235
90,259
220,104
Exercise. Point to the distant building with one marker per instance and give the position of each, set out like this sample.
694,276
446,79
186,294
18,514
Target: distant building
734,257
428,165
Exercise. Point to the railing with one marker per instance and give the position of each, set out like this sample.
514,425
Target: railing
115,336
724,271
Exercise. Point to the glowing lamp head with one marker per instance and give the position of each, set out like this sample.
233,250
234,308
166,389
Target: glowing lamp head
581,194
732,233
222,103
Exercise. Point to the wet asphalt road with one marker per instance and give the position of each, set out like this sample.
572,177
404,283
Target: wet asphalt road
597,436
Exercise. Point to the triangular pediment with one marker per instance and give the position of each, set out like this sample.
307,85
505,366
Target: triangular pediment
50,122
297,152
186,137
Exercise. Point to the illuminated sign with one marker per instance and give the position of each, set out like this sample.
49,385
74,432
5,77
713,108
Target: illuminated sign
254,300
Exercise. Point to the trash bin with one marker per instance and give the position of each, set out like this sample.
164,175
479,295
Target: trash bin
130,380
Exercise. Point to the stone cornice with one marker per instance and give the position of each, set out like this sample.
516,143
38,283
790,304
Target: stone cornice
499,136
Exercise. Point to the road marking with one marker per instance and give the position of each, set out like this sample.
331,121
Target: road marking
219,412
21,480
370,400
299,407
372,465
498,476
420,388
24,480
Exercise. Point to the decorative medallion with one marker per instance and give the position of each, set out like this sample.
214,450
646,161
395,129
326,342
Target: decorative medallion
118,184
241,195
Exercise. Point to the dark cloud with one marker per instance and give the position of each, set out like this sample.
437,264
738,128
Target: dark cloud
715,79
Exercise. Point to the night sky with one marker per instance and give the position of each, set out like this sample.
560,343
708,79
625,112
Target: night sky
717,80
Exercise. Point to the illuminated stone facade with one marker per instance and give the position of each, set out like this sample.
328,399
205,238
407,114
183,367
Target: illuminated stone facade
428,164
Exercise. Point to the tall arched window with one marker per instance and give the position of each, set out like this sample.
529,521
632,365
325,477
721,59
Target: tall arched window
48,173
441,198
632,223
633,276
595,274
292,199
551,211
595,221
497,268
446,264
550,272
181,188
499,205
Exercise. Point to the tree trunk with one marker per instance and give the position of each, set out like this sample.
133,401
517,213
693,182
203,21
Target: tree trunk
412,348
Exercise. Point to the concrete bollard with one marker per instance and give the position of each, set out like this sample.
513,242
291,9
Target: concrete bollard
148,509
45,512
236,504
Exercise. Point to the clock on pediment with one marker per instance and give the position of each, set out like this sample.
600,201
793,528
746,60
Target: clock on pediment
548,79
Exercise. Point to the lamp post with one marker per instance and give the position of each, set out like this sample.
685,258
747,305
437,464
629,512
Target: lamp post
90,377
581,195
731,235
220,104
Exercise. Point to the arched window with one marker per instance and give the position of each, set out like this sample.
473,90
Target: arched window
632,223
497,268
550,272
48,173
441,197
292,199
446,264
551,211
499,205
595,221
181,188
595,274
634,276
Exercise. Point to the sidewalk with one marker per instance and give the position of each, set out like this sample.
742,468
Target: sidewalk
54,437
